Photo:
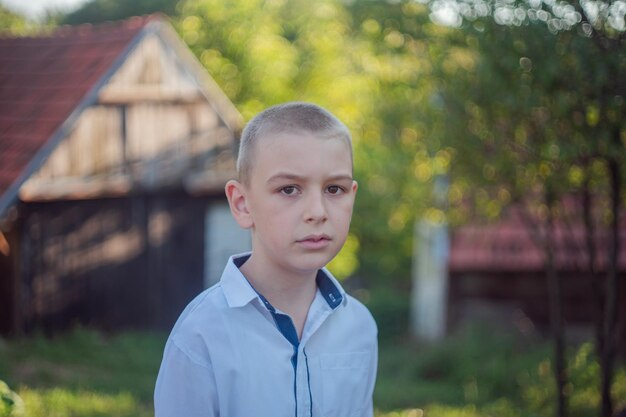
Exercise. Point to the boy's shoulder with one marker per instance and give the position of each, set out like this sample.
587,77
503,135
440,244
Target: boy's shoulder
357,313
355,304
197,317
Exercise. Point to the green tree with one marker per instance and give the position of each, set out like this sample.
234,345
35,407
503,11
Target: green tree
13,23
401,151
527,129
97,11
265,52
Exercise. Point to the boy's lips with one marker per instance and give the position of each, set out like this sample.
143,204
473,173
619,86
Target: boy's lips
314,241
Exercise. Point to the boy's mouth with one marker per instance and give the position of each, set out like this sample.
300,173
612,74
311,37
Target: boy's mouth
314,241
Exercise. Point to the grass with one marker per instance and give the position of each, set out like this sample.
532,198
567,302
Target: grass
483,373
478,373
84,373
473,367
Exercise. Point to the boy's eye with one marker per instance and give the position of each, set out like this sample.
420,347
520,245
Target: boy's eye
289,190
334,189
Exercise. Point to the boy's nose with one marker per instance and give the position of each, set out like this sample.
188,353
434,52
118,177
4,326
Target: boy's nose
315,209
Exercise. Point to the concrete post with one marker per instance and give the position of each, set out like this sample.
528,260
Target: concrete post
429,295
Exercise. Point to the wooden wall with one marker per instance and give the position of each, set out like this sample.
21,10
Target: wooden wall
9,257
521,299
114,263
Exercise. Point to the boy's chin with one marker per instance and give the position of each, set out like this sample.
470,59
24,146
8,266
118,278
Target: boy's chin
311,262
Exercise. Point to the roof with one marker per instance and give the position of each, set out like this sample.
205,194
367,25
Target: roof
47,81
509,246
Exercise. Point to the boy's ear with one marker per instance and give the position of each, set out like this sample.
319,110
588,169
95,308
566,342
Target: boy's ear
236,194
355,186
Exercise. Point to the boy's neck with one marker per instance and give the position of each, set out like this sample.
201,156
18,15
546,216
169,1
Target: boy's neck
288,291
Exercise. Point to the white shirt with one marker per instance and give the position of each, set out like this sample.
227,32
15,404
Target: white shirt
231,354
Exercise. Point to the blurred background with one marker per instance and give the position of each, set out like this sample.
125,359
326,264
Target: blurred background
489,233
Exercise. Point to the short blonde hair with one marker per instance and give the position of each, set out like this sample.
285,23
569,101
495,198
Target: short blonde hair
292,117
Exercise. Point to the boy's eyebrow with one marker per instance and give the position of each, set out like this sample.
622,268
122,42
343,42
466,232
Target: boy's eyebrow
296,177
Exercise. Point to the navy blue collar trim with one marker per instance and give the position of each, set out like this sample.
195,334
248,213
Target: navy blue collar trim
329,290
241,260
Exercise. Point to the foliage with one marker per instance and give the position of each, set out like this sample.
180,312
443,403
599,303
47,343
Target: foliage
524,136
84,373
515,123
584,398
97,11
399,154
476,366
604,16
480,373
11,405
13,24
390,308
296,50
61,402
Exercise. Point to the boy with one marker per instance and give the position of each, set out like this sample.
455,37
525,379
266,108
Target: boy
278,336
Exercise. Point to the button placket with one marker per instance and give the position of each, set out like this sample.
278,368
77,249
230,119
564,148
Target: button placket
303,386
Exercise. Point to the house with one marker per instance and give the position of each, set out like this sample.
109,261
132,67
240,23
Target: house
496,272
115,145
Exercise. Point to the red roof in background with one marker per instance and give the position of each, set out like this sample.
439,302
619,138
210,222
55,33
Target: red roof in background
44,79
507,246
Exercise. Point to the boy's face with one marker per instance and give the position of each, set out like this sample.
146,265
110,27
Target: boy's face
300,198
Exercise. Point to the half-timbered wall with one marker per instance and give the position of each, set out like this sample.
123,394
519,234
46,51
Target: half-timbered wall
151,126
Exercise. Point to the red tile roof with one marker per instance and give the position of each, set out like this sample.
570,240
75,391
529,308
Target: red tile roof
507,246
43,80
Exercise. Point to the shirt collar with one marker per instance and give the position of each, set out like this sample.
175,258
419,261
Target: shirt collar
239,292
237,289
